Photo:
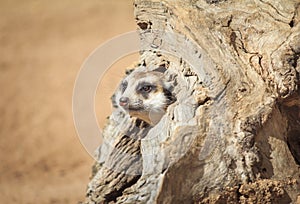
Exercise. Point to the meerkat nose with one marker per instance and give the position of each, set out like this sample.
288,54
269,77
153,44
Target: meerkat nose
123,101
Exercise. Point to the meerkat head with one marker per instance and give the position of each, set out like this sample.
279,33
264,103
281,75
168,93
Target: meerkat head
145,95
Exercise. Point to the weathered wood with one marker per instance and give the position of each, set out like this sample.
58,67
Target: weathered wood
233,133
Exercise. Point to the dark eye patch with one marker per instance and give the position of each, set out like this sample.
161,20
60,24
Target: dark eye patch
123,86
144,88
170,97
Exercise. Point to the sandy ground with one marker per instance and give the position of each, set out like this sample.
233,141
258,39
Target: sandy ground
42,46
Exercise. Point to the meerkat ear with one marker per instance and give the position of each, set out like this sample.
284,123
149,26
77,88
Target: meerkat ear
170,97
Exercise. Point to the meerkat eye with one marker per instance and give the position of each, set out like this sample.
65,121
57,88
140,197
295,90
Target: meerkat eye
146,88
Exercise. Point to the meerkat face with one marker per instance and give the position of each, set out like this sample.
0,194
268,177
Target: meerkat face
145,95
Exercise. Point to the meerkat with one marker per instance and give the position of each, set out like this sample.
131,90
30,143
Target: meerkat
144,95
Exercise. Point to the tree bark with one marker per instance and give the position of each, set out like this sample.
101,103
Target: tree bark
233,135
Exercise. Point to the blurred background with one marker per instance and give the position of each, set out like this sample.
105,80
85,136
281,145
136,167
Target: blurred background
42,46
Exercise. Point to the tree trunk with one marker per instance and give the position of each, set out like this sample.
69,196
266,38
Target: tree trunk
233,135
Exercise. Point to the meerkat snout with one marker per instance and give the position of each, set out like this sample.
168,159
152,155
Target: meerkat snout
123,101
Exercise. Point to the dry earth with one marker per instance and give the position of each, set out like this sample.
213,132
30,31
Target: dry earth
43,44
